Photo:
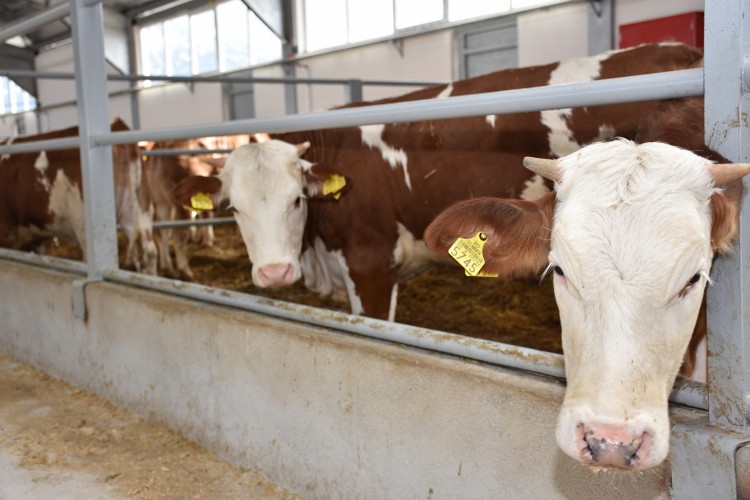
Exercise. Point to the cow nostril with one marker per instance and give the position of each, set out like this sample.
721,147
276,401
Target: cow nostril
614,448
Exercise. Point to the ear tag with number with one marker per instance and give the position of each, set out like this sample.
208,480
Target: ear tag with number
201,201
333,185
468,253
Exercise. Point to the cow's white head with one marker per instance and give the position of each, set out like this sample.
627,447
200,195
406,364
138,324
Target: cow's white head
267,185
629,236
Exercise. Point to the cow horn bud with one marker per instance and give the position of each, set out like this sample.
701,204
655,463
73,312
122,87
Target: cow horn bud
549,169
724,173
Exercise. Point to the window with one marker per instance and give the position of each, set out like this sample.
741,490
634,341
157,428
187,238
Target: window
14,98
226,37
329,23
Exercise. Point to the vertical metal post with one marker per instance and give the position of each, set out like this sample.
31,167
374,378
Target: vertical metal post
355,91
601,26
290,89
93,118
727,105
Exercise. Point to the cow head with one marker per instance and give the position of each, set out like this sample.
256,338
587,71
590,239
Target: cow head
267,185
629,235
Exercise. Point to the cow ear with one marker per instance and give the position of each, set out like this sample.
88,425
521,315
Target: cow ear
324,182
516,232
725,213
199,193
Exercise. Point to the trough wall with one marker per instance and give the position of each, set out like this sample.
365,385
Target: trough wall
323,413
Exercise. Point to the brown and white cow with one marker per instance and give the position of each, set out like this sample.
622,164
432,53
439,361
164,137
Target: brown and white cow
162,174
400,176
629,234
42,197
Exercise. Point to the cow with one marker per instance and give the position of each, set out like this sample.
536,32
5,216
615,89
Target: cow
42,198
629,234
394,179
162,174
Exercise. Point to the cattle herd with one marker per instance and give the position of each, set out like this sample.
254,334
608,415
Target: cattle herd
623,204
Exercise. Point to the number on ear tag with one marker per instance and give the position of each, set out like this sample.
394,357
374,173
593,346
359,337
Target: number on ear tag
469,253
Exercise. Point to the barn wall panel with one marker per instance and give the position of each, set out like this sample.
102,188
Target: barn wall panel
325,414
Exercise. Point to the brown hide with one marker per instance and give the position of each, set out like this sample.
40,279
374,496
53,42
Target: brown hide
451,160
25,200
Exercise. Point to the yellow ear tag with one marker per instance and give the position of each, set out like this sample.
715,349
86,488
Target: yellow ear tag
201,201
333,185
468,253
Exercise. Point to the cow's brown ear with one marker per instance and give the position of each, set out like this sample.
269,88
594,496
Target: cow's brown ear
324,182
516,232
198,193
725,213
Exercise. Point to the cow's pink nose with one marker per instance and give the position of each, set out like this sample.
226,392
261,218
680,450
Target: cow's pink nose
613,446
276,274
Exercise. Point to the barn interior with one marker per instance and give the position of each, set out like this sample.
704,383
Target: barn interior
222,61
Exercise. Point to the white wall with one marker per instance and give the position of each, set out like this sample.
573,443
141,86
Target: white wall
545,36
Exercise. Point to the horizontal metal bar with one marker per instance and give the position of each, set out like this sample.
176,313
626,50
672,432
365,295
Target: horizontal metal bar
214,221
448,343
668,85
190,152
57,263
54,75
47,145
25,25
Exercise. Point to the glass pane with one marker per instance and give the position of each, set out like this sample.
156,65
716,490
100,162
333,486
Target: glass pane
265,46
6,94
370,19
465,9
234,48
17,93
152,50
203,37
325,23
177,46
411,13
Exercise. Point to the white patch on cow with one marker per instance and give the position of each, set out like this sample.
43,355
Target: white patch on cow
41,165
446,92
394,303
576,70
534,188
66,205
7,143
354,299
491,120
411,255
321,271
372,135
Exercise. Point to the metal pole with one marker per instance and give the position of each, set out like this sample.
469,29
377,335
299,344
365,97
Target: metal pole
669,85
727,131
93,118
44,17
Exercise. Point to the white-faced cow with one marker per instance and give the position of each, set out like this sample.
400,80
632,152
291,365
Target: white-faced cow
42,197
398,177
629,234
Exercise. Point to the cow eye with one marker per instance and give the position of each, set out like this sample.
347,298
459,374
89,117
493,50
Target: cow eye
692,281
558,271
297,201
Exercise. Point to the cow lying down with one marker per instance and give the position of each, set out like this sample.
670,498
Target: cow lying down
628,234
